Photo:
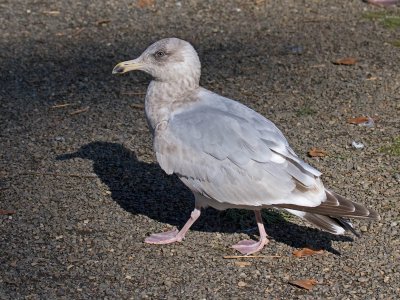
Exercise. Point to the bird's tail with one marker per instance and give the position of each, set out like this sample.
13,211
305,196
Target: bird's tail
331,215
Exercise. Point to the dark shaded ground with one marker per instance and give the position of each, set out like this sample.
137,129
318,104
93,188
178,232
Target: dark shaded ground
81,218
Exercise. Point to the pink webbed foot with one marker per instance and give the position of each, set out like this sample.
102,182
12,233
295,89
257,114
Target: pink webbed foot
247,247
173,235
163,237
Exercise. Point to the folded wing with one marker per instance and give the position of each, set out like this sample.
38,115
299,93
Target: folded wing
229,153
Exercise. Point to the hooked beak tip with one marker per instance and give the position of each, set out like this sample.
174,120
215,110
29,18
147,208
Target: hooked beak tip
127,66
118,69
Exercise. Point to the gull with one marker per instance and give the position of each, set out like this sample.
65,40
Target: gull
227,154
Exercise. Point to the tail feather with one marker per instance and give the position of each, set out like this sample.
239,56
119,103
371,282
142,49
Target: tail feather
332,225
327,223
348,226
335,206
331,214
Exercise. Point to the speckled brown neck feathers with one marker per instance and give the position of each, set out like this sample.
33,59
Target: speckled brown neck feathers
163,98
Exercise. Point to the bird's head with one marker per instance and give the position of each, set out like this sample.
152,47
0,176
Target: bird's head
168,60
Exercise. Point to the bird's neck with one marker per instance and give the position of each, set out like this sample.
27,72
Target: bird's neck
163,98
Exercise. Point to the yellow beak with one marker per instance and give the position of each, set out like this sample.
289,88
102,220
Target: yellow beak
127,66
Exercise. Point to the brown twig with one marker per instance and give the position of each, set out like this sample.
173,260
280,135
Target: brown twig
318,66
59,174
137,106
317,20
103,21
78,31
79,111
133,93
252,256
51,12
61,105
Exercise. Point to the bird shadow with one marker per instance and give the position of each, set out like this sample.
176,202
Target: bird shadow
143,188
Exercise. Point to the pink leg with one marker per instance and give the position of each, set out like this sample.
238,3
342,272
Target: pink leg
248,246
173,235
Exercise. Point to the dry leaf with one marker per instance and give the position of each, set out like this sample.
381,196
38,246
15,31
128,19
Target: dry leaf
307,284
306,252
314,152
363,121
242,264
357,120
145,3
348,61
7,212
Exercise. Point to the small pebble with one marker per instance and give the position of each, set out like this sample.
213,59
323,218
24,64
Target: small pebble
167,283
60,139
357,145
241,284
397,177
295,49
363,279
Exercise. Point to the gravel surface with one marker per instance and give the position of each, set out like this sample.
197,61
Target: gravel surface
85,186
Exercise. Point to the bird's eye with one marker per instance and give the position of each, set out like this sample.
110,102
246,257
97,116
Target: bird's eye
159,54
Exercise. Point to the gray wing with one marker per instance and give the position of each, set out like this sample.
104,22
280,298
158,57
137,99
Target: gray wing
227,152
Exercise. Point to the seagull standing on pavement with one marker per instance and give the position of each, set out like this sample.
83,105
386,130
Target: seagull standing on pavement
227,154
